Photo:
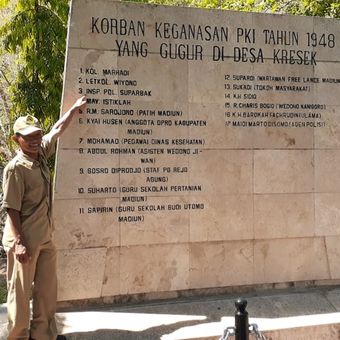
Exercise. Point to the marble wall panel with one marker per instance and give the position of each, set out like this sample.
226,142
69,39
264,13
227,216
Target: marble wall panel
86,72
224,217
333,253
80,273
160,171
232,171
275,32
327,88
167,175
326,176
158,120
285,260
163,222
157,111
283,216
329,48
111,281
284,84
100,34
283,171
270,109
154,268
280,104
97,229
86,171
81,23
287,138
218,174
328,137
89,131
220,19
216,80
218,135
170,78
158,39
85,77
221,264
327,214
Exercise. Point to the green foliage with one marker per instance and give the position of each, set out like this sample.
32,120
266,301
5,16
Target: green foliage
3,3
7,75
3,291
36,34
323,8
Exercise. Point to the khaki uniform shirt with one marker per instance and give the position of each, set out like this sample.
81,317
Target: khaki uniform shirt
27,188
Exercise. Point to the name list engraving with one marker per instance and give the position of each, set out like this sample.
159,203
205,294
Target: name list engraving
266,79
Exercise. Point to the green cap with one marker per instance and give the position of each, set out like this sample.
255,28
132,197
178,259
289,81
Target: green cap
26,125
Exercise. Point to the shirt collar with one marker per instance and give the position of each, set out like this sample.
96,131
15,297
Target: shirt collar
27,161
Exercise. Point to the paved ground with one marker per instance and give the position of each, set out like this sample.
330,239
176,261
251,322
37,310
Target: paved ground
167,319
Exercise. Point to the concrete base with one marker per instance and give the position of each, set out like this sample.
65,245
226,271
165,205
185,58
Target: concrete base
311,327
289,314
292,314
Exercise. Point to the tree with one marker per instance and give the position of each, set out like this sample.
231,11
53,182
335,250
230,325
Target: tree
36,34
322,8
5,149
7,74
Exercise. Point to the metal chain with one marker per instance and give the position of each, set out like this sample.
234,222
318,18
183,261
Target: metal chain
229,331
254,328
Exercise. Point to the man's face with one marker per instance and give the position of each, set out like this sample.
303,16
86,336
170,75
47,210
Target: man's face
30,144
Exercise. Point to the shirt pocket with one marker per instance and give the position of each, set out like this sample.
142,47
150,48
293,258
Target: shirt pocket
35,192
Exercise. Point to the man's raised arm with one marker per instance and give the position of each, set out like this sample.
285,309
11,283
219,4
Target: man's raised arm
60,126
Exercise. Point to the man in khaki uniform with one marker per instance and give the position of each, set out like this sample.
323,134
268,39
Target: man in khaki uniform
31,255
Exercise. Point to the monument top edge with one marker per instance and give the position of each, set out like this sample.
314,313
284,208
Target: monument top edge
144,5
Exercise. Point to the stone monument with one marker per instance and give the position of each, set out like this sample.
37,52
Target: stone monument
207,155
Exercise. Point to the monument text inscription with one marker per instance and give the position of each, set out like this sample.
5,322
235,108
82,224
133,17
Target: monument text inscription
209,143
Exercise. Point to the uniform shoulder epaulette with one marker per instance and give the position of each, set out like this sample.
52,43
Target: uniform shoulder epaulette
12,163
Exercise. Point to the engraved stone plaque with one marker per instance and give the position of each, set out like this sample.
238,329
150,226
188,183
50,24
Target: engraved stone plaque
207,153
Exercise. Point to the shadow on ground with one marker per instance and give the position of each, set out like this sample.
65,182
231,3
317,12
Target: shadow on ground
154,333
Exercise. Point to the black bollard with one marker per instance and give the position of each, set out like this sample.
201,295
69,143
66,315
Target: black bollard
241,320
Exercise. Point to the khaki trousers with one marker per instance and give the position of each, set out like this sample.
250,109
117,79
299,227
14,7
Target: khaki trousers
41,272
